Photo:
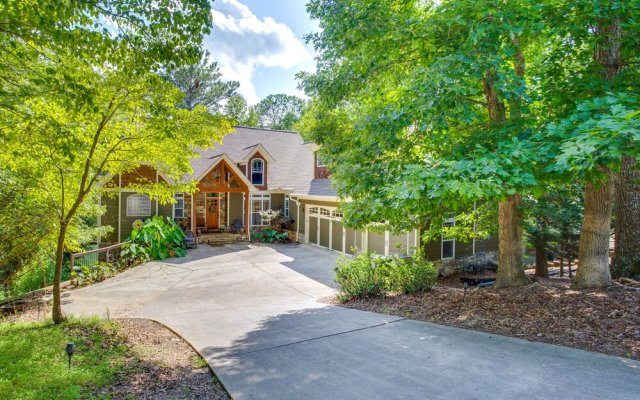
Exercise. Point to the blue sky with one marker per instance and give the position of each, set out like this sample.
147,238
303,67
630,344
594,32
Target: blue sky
260,44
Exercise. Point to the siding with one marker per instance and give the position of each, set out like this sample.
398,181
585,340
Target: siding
235,208
432,250
351,240
110,217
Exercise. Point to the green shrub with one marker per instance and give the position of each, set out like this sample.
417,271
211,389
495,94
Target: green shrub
269,236
159,237
362,276
411,275
369,275
88,274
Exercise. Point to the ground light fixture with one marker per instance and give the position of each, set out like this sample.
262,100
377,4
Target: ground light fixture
70,349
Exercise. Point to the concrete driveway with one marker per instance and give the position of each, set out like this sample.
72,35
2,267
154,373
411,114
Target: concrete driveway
252,311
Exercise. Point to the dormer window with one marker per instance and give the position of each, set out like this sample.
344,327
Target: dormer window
319,162
257,172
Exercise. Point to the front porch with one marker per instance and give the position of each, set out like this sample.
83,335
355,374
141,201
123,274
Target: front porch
226,206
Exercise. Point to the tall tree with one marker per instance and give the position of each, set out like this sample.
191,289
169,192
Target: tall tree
279,111
240,112
201,84
435,101
595,106
80,99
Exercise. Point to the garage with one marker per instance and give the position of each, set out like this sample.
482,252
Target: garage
324,228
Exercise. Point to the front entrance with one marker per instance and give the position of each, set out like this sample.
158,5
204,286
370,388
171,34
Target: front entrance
213,211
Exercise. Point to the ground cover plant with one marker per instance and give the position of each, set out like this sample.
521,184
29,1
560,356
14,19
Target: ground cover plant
33,362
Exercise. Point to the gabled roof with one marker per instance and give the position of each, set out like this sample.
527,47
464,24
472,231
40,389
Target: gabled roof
234,168
291,165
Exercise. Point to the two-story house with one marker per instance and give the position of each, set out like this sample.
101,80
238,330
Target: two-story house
258,169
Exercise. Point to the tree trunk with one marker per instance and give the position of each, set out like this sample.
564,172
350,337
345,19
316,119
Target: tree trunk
542,264
510,270
561,261
626,262
593,251
56,313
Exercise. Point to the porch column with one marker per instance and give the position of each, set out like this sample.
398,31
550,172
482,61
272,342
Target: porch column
193,214
246,213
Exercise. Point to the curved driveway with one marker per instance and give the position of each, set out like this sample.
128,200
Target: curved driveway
252,311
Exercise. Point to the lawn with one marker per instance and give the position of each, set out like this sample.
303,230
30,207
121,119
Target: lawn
33,362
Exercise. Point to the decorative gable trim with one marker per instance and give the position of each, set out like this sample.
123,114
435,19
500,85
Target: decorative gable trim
233,167
257,149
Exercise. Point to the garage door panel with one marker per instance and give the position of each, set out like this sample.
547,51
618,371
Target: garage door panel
376,242
312,232
324,232
336,230
351,240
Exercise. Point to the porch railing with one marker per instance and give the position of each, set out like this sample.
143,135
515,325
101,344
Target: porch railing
109,254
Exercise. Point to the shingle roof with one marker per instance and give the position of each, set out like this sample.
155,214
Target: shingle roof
291,167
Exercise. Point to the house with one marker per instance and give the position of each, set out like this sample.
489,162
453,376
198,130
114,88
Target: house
254,170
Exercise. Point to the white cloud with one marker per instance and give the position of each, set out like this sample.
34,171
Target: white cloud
240,41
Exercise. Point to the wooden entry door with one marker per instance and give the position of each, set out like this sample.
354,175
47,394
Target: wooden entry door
213,213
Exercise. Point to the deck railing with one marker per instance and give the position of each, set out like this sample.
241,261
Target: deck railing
109,254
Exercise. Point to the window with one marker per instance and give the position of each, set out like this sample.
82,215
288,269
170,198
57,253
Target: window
313,211
178,207
259,202
448,249
319,162
138,205
257,172
286,205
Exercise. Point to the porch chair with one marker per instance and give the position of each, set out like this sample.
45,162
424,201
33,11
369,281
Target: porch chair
237,226
190,240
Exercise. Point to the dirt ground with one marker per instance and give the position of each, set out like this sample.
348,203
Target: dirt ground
162,366
605,321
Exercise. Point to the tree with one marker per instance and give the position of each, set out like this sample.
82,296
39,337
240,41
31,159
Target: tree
427,113
73,151
201,84
238,110
552,220
595,109
279,111
80,99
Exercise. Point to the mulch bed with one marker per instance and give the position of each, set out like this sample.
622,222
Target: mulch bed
164,367
605,321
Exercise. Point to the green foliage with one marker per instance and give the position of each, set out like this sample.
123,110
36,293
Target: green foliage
279,111
269,236
88,274
160,238
369,274
201,84
134,253
34,365
411,275
362,276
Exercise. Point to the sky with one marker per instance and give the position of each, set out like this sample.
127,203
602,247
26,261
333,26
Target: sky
260,44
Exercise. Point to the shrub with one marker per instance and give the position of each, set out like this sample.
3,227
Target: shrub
160,238
361,276
269,236
371,275
88,274
411,275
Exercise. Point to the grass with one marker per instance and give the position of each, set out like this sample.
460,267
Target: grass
34,365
